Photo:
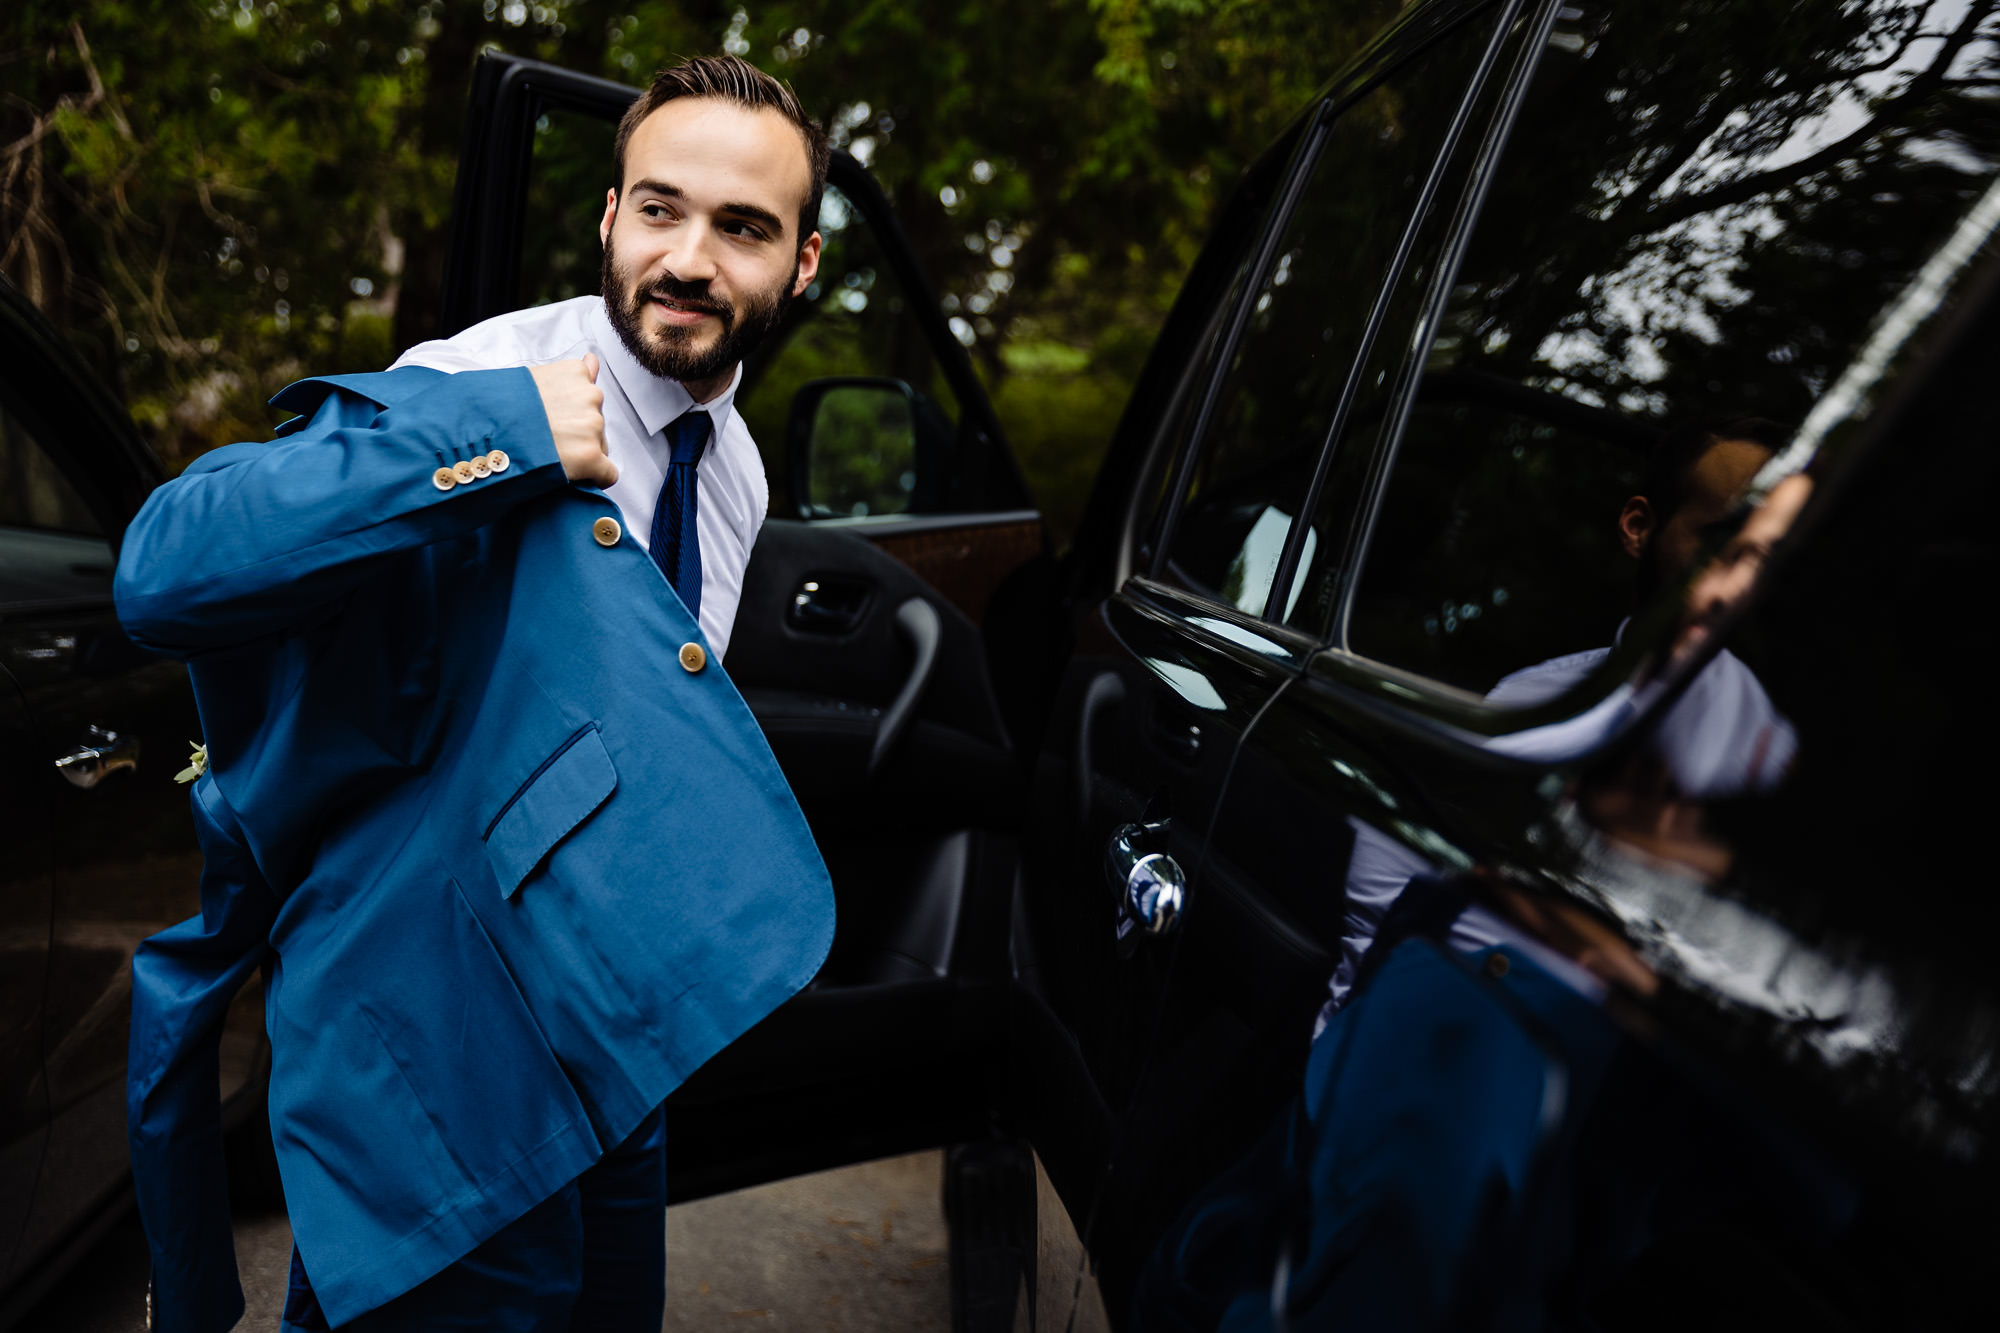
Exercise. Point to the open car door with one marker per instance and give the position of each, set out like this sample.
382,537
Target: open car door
898,519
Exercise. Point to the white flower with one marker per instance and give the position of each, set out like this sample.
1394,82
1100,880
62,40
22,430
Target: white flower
197,763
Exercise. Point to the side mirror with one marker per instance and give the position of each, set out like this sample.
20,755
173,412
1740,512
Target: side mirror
860,445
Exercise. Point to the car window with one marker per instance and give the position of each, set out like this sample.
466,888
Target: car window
854,319
51,550
569,169
1238,230
1688,232
1273,411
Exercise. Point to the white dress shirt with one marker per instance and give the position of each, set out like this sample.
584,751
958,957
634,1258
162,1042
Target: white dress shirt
730,487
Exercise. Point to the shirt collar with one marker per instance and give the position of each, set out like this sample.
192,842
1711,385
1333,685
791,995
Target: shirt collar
657,400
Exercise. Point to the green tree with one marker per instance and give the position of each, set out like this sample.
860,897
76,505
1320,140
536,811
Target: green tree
214,196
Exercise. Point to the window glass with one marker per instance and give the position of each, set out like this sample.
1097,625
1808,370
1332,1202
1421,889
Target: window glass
569,169
1693,225
1276,404
50,548
1212,293
33,492
854,320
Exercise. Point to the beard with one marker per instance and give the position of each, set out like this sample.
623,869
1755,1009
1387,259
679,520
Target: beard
671,352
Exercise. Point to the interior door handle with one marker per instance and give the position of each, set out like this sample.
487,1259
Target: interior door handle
101,753
828,605
918,620
1152,890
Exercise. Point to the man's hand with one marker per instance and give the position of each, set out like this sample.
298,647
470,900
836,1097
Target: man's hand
574,403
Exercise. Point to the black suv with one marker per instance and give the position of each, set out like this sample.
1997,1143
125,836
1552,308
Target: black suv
1355,602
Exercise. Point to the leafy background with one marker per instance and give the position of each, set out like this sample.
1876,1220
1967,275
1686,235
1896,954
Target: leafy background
212,197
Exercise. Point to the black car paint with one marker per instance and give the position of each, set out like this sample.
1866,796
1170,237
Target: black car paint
92,871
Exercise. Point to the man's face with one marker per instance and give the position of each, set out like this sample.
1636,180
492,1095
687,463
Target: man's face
1733,572
1666,551
701,250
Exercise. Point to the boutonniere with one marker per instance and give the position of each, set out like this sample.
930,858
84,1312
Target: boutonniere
197,763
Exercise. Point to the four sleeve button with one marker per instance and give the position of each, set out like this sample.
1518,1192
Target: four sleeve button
606,531
477,468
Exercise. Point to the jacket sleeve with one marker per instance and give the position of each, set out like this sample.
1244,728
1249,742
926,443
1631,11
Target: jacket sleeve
183,980
256,538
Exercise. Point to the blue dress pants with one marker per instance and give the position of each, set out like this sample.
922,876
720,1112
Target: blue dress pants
591,1257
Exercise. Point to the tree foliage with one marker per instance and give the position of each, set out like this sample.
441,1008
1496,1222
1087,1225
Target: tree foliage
214,196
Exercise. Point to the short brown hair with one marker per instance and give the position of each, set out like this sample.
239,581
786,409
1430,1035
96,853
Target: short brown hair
732,79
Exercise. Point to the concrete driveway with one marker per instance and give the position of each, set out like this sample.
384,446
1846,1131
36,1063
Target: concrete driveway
858,1250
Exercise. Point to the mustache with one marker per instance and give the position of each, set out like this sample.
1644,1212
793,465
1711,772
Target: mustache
690,296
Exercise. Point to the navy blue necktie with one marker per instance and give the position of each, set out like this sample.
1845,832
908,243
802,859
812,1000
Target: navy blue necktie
676,545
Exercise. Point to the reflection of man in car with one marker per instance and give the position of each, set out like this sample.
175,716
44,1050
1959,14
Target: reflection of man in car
1723,731
1475,1140
510,847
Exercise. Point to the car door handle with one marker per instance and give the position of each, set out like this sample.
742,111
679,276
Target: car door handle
828,605
101,753
918,620
1152,890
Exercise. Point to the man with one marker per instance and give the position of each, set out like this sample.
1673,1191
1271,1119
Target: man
508,844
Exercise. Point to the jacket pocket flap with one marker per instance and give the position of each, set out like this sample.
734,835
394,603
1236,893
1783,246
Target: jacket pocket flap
571,783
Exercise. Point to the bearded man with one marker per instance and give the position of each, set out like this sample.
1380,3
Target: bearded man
509,847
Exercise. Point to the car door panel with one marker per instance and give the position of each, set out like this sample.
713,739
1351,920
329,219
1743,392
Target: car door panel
25,908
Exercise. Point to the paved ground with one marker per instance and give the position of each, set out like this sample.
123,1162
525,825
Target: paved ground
852,1251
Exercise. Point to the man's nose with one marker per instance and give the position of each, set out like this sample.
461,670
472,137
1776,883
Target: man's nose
691,255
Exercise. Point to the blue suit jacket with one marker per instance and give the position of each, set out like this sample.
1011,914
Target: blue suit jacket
514,871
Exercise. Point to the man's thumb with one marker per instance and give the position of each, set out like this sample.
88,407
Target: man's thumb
590,366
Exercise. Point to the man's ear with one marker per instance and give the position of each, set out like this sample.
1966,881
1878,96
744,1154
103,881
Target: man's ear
610,216
1635,525
808,264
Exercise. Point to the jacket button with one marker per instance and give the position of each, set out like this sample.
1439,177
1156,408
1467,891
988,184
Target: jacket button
693,657
498,460
444,479
607,531
464,473
481,468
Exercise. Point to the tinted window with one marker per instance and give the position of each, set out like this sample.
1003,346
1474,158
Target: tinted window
569,169
33,493
48,553
854,319
1292,359
1697,216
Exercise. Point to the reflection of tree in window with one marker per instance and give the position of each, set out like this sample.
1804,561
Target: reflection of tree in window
1275,406
1698,216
